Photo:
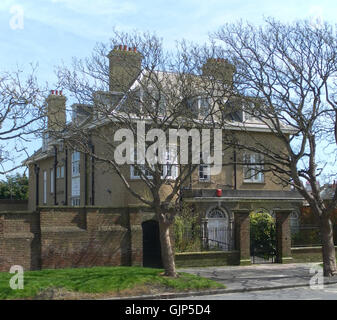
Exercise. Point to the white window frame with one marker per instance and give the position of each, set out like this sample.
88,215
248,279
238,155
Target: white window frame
75,176
171,164
60,172
202,176
201,114
141,167
44,187
75,164
161,103
52,180
254,159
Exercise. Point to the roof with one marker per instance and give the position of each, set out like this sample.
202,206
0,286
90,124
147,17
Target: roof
92,122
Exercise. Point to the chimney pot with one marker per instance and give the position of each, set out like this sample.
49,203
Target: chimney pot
120,47
52,92
135,49
125,48
61,92
57,93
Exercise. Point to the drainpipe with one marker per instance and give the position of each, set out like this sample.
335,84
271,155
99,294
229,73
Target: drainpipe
54,173
66,178
36,170
235,169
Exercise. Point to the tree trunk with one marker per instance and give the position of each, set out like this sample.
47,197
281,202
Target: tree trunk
166,249
328,248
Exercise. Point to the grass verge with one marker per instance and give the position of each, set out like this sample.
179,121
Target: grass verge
100,282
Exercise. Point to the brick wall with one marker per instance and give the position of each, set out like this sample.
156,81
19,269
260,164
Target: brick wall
207,259
61,237
13,205
307,254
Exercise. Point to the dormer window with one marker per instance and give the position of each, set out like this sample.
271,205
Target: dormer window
199,107
153,102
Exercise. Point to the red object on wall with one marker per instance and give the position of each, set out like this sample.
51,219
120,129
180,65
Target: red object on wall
218,192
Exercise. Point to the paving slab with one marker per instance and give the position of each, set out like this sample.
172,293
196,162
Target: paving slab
262,276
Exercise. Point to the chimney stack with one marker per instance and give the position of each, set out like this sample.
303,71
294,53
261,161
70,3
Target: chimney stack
56,111
219,69
125,65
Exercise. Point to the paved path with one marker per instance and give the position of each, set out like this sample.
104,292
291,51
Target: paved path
329,292
260,276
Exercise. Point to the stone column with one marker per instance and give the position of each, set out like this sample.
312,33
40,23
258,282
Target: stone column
136,238
242,235
283,236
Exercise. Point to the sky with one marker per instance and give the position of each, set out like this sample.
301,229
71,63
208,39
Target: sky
51,32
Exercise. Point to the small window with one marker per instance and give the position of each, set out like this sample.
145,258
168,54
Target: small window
51,180
170,169
75,164
204,172
253,168
204,107
136,170
44,187
60,172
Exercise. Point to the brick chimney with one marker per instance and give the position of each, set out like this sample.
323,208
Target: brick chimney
125,65
219,69
56,111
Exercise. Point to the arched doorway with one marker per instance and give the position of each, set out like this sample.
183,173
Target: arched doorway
217,229
151,245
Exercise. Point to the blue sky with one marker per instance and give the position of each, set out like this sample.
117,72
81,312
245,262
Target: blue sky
56,30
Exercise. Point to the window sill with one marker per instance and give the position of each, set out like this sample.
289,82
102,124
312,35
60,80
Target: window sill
253,182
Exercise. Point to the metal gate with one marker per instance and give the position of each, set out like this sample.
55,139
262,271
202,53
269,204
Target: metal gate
263,252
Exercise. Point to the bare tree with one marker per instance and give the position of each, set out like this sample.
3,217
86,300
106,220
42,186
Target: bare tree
286,78
21,115
134,89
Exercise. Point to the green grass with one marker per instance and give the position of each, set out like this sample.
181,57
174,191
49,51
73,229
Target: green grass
100,280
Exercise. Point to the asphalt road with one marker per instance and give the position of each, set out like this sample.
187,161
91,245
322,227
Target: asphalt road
329,292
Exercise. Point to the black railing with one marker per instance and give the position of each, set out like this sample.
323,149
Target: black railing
305,236
188,240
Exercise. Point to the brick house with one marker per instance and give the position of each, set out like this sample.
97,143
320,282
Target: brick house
87,217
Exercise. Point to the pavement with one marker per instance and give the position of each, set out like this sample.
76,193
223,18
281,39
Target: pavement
252,278
327,292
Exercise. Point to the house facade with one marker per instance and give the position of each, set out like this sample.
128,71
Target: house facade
71,190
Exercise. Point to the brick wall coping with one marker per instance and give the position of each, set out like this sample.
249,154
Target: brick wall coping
204,253
14,201
307,248
95,207
17,212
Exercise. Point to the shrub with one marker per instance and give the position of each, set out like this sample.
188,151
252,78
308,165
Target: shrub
187,231
262,234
